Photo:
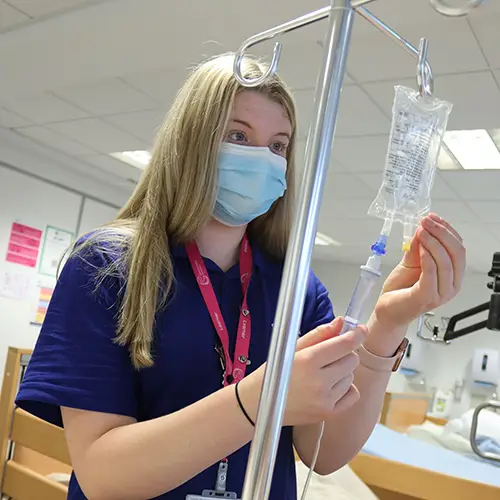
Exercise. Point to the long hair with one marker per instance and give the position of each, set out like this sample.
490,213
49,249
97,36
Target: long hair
176,195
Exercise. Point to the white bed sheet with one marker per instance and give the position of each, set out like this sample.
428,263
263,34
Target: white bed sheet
439,436
391,445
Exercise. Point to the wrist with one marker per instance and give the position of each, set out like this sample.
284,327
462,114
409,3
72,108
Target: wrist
383,340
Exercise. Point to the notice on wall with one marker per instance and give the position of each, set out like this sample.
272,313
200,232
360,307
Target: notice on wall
16,285
55,244
24,245
42,303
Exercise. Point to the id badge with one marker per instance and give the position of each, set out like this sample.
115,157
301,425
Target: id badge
220,487
212,494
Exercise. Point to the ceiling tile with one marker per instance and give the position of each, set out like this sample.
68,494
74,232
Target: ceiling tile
442,190
487,211
401,13
45,108
453,211
345,186
37,8
115,167
362,154
483,111
143,124
479,242
107,97
54,140
488,35
334,165
161,85
452,49
10,17
343,209
477,185
486,10
496,74
300,64
11,120
494,229
358,115
99,136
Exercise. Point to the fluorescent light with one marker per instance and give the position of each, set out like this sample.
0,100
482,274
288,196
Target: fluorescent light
474,149
138,159
323,240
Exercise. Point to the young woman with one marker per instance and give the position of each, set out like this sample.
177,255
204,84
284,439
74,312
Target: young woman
158,316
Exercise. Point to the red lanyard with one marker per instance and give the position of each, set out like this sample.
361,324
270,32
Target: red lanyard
234,370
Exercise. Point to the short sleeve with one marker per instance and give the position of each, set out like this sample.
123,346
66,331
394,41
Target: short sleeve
76,362
318,309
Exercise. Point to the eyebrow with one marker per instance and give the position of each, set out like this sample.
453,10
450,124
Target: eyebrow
246,124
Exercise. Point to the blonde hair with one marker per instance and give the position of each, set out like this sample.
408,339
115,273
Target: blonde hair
176,196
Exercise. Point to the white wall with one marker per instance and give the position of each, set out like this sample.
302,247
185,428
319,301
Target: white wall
38,203
443,365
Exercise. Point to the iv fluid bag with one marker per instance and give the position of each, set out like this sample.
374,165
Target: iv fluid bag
418,126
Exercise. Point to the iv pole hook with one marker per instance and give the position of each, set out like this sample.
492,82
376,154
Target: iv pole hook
299,22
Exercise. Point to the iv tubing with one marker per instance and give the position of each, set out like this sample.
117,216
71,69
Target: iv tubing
369,274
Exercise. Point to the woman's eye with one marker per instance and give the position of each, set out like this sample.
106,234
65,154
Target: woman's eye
237,137
279,148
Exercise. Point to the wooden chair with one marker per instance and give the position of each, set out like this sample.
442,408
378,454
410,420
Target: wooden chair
31,448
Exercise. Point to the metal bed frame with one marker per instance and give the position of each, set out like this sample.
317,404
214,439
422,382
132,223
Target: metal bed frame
319,144
495,405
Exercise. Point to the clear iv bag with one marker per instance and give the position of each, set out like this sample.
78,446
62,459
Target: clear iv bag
418,126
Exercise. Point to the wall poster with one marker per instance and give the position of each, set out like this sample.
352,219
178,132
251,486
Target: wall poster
56,242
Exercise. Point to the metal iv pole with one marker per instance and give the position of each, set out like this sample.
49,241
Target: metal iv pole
288,317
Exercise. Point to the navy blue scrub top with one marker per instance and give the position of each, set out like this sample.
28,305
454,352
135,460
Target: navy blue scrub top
77,364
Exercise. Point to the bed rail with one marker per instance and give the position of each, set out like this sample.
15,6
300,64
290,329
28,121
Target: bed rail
473,430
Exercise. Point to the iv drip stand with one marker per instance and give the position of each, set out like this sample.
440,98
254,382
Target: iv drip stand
319,144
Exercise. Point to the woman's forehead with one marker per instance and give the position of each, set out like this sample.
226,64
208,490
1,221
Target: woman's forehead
257,109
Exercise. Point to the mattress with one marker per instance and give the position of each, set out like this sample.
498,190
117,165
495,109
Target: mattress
390,445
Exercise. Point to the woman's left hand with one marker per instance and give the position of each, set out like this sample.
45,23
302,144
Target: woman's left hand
428,276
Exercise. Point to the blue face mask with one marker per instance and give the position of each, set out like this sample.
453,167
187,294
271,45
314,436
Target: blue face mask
250,180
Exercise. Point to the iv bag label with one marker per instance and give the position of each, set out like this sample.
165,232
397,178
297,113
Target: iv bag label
407,155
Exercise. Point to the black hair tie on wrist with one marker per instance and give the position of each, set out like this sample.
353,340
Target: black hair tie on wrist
240,404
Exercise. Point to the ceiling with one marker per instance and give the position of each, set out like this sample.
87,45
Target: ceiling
88,78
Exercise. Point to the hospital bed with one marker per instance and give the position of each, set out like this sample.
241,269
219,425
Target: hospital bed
36,455
397,467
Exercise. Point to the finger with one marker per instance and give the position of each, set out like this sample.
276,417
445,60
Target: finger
341,368
341,388
446,224
452,245
429,279
350,399
320,334
443,263
336,348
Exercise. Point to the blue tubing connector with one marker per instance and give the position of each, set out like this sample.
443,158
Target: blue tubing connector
380,245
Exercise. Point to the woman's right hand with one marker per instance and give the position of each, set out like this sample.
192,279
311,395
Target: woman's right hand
321,383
